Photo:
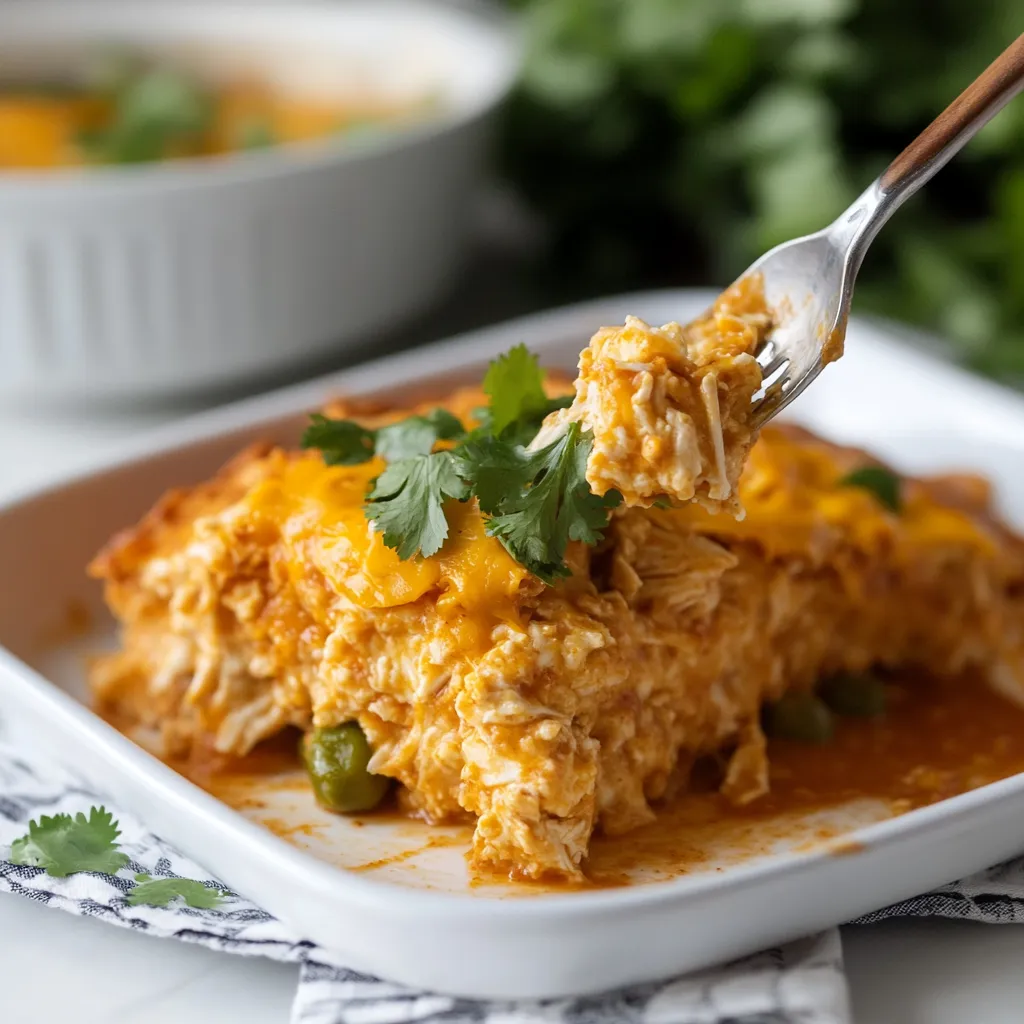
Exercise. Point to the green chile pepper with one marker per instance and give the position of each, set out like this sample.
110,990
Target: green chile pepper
799,716
337,760
854,693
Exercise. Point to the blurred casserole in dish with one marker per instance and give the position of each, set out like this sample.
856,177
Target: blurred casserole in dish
126,108
155,244
548,696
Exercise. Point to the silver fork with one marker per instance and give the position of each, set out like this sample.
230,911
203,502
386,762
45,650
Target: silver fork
809,281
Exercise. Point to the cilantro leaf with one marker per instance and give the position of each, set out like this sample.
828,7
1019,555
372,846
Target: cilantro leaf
497,471
536,522
514,382
515,385
407,502
417,435
347,443
62,845
159,892
883,483
342,442
155,111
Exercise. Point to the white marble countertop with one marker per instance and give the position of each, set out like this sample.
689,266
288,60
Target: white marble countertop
928,972
900,972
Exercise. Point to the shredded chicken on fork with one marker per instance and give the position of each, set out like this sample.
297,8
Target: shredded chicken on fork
670,406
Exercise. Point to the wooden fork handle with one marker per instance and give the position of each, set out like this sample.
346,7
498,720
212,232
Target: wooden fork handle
973,108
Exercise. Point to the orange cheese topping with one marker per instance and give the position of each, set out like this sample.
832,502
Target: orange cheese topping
39,131
319,512
796,503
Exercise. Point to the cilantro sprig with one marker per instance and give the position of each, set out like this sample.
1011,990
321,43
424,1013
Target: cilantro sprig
538,501
63,845
161,892
514,383
406,502
347,443
535,502
883,483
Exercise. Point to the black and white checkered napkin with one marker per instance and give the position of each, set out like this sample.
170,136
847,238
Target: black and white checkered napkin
800,983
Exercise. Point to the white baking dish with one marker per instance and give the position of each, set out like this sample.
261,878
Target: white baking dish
165,277
418,921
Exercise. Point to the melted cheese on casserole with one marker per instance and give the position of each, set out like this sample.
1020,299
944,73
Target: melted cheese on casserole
792,490
318,511
796,503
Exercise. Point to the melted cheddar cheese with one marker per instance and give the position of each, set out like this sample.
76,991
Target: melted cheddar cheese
796,503
319,513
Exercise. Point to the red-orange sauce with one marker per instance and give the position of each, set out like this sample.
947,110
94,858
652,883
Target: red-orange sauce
936,739
432,843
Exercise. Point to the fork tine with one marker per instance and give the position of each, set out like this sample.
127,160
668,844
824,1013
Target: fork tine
766,405
772,366
770,388
774,391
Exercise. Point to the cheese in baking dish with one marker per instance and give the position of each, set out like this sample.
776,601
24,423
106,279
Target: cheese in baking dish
263,599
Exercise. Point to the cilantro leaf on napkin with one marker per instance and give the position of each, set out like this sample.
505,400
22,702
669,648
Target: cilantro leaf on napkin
161,892
62,845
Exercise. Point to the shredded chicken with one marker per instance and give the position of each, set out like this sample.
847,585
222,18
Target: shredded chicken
670,407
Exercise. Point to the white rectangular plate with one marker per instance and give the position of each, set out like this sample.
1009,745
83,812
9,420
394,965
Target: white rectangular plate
415,919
